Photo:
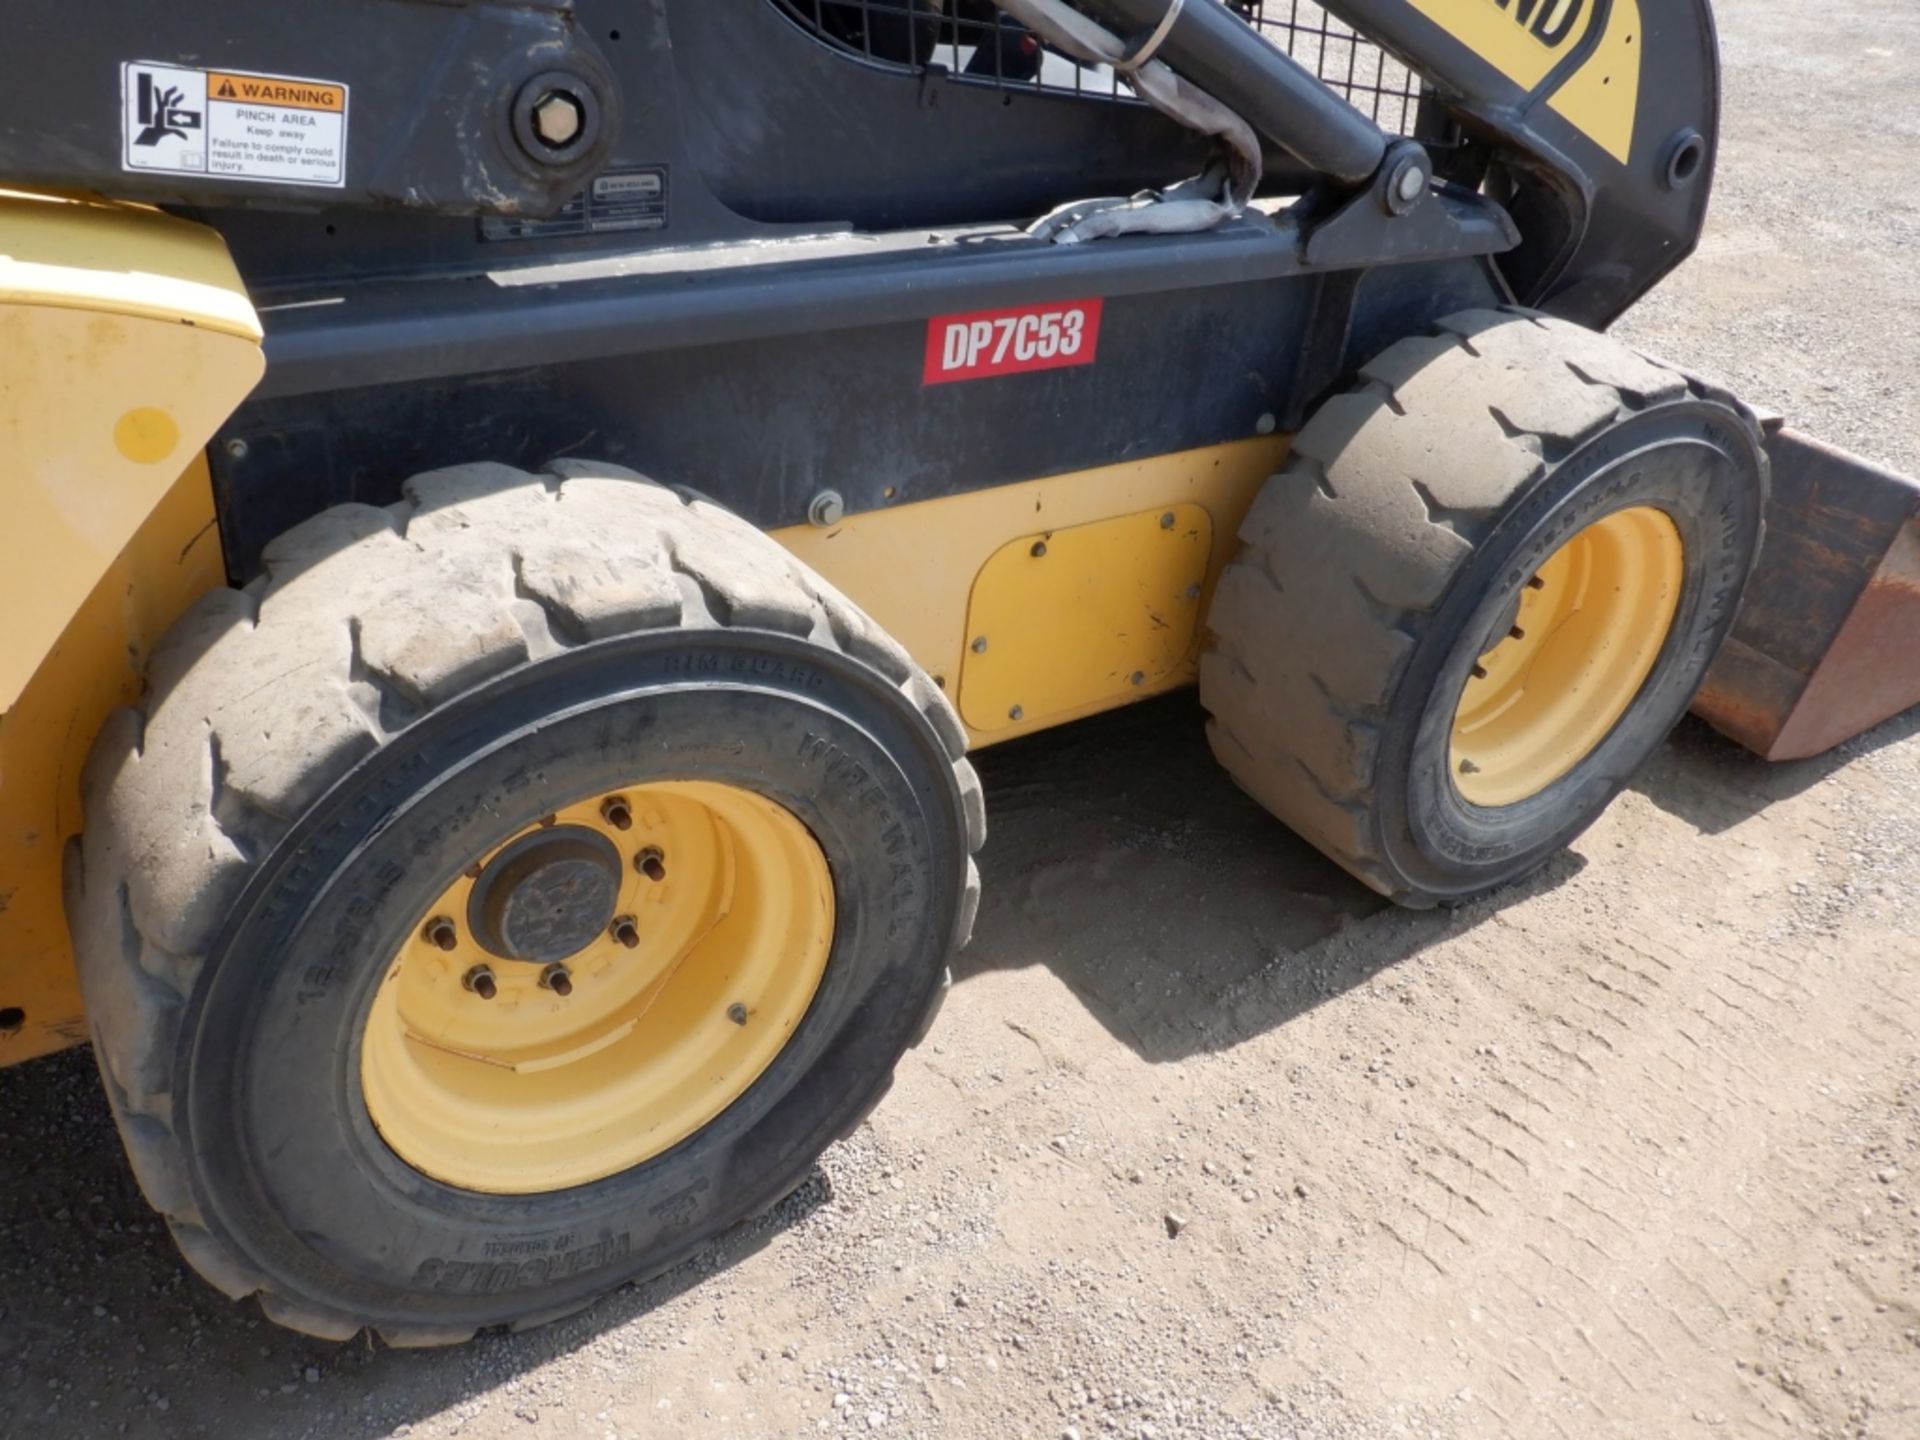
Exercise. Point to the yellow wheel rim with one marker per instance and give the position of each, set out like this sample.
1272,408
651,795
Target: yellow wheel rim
1585,634
478,1071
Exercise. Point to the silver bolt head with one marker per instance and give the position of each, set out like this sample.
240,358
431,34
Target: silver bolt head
1016,713
1266,424
557,119
827,508
1412,181
979,644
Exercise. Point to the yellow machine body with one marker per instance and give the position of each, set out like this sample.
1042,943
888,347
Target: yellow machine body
126,338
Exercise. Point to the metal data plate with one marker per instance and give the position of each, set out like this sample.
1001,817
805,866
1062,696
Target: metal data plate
1074,620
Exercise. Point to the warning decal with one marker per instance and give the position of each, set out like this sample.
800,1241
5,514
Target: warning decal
230,125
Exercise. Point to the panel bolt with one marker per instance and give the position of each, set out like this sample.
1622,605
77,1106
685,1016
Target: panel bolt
1139,677
439,932
1166,521
558,119
1266,424
1412,181
979,644
558,979
1039,549
1193,592
626,932
1016,713
826,509
737,1013
616,812
480,981
652,863
236,449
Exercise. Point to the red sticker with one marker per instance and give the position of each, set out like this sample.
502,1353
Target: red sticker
1007,342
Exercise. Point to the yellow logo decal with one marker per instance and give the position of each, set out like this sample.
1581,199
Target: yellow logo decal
1525,39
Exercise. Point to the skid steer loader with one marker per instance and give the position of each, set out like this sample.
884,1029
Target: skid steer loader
518,511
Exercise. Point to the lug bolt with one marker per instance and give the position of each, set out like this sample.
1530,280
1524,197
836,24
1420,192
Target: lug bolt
626,932
439,932
652,863
1536,583
616,812
737,1013
480,981
558,119
557,979
826,509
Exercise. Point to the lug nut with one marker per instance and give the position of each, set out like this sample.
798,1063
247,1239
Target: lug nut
481,982
558,979
439,932
737,1013
652,863
626,932
616,812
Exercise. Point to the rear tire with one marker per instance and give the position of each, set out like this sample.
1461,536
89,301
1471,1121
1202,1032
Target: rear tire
403,692
1379,570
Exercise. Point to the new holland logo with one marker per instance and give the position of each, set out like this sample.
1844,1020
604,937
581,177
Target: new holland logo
1551,22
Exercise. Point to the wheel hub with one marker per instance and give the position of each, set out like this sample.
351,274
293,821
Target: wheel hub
673,936
1579,639
547,896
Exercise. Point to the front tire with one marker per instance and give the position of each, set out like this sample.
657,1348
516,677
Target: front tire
333,764
1486,586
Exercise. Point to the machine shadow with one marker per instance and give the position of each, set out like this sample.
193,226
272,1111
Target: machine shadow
1183,916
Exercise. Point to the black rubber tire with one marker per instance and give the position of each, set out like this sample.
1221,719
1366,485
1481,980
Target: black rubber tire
1372,569
404,688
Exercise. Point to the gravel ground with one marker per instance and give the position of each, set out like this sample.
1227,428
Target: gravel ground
1209,1144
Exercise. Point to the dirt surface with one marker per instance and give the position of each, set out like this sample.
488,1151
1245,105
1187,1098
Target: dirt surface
1209,1144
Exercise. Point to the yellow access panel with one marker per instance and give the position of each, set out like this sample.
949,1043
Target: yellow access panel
1091,615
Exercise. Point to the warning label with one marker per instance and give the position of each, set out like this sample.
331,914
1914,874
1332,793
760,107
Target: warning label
277,129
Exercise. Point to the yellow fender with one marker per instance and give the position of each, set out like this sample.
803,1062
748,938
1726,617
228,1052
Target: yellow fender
126,339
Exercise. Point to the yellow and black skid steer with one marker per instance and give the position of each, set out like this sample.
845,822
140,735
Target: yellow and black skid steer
518,511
